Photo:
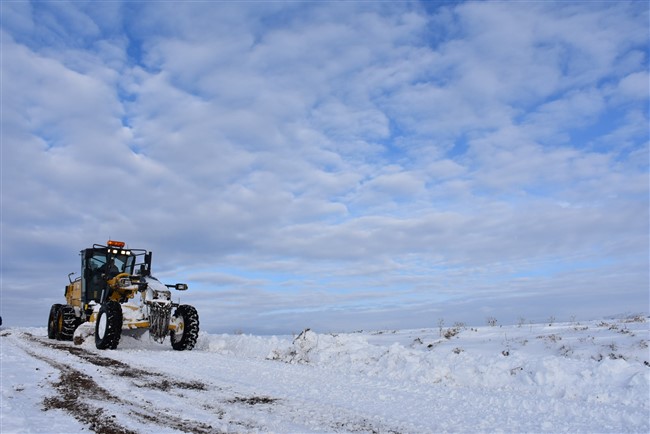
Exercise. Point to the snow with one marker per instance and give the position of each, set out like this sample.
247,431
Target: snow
567,377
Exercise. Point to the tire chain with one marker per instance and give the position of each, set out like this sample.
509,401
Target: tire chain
159,317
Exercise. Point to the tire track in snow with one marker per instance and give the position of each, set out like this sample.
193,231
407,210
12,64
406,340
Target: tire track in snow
83,398
70,388
219,404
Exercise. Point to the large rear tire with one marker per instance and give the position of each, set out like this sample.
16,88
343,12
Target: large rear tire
108,327
52,321
185,335
66,323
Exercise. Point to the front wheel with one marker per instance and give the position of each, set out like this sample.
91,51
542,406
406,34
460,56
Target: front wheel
108,327
186,333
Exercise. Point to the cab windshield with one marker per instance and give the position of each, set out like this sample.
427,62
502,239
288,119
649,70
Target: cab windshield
102,263
110,264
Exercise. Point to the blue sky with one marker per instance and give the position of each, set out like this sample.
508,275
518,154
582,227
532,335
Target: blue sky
334,165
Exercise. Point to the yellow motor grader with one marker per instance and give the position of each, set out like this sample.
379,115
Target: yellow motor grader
117,293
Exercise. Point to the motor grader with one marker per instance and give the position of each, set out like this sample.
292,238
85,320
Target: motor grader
117,294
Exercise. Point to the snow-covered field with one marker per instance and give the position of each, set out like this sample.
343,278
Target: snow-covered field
568,377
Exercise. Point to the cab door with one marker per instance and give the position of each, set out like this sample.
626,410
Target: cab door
92,283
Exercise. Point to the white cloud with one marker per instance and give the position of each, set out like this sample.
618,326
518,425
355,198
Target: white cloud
634,86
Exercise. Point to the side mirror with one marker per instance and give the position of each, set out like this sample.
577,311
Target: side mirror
181,286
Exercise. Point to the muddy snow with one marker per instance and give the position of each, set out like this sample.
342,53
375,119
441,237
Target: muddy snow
568,377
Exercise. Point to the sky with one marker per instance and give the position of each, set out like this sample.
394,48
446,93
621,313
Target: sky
333,165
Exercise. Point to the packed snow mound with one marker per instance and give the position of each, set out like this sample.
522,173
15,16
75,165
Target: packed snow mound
603,360
329,350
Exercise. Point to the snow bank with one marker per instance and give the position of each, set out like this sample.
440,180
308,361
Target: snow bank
599,361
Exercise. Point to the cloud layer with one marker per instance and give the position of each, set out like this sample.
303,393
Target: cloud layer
338,165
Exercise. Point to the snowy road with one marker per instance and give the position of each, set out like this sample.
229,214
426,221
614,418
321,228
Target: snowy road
343,384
